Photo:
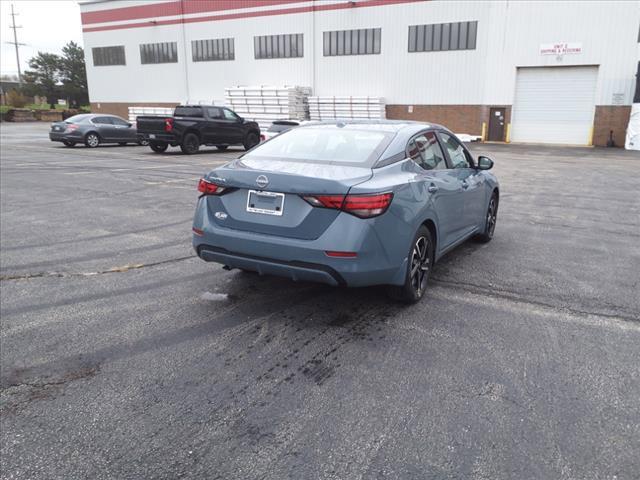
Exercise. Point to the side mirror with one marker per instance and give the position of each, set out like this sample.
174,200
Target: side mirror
130,124
484,163
240,119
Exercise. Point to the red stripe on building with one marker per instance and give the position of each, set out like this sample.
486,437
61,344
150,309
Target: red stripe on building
156,10
262,13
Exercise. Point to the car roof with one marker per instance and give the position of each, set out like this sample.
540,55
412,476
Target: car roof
395,126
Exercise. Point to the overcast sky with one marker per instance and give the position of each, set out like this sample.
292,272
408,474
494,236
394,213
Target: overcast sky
47,25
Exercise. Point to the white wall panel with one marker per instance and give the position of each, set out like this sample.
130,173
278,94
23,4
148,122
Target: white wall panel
509,36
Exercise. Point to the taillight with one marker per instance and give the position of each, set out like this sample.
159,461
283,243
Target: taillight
363,206
71,127
208,188
168,124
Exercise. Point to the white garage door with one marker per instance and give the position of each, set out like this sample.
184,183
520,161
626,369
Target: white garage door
554,105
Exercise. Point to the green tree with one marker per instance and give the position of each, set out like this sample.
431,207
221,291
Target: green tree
44,76
73,75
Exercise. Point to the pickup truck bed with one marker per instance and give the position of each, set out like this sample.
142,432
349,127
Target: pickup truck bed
192,126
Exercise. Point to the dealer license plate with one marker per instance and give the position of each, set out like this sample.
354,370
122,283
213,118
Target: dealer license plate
267,203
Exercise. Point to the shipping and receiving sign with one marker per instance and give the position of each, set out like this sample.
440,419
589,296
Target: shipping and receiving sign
561,48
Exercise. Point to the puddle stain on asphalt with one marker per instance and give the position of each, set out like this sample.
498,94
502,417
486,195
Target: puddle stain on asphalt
25,385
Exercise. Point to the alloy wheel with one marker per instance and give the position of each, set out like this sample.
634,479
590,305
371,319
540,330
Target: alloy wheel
420,264
93,140
492,214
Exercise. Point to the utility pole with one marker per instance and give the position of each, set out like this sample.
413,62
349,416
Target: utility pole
15,42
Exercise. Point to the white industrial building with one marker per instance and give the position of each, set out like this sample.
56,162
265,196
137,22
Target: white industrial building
521,71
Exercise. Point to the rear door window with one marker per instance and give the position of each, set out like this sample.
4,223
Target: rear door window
103,120
188,112
119,121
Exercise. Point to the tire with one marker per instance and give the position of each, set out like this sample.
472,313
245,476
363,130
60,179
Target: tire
421,260
122,144
222,148
490,221
190,144
251,140
143,142
158,147
92,140
69,144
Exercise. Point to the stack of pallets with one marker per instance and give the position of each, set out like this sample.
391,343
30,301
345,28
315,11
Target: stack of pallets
135,112
328,108
264,104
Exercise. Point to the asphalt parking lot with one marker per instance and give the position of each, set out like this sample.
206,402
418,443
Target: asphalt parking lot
124,356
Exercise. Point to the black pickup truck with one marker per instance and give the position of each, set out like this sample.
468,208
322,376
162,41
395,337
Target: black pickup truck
195,125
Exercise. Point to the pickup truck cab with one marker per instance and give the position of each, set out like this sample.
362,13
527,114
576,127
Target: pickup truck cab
195,125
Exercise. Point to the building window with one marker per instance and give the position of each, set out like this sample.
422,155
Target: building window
443,36
365,41
212,50
166,52
103,56
278,46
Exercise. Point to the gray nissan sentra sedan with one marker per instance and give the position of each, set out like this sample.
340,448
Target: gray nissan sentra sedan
351,203
93,130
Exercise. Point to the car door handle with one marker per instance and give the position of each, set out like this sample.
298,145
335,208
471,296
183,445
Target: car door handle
433,188
465,185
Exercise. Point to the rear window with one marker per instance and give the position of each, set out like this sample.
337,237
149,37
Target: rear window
281,127
78,118
330,144
187,112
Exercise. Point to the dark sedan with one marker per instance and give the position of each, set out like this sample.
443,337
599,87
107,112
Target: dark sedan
93,130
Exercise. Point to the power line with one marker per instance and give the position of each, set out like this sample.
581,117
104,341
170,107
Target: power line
15,42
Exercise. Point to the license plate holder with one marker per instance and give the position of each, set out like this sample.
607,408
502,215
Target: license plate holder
152,136
266,203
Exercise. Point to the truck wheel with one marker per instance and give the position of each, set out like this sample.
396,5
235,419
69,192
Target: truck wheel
158,147
190,143
251,140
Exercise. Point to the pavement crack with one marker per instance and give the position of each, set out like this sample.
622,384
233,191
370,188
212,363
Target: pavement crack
119,269
497,292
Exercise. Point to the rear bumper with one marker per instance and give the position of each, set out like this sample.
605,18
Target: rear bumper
62,137
381,256
159,137
296,270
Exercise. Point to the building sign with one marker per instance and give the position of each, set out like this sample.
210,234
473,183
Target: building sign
561,48
617,99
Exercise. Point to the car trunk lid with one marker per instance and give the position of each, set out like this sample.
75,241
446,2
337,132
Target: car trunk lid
267,195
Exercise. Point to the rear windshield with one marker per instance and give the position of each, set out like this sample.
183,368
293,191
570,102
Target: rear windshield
78,118
327,144
281,127
187,112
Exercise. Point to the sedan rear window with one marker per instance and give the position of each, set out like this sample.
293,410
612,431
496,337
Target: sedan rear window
327,144
78,118
281,126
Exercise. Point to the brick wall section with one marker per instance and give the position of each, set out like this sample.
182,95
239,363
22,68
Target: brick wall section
122,109
457,118
607,118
